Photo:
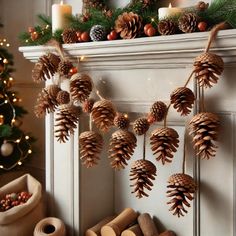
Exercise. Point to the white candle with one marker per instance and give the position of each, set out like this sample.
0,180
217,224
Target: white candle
59,12
170,11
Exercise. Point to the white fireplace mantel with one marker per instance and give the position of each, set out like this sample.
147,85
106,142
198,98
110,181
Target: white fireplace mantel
134,73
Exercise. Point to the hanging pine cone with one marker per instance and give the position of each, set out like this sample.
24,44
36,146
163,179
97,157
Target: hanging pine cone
164,142
103,114
142,173
69,36
87,105
205,129
188,22
66,121
45,68
158,111
181,189
98,33
90,148
121,121
80,87
141,126
202,6
167,27
63,97
208,67
128,25
182,99
122,145
46,101
64,68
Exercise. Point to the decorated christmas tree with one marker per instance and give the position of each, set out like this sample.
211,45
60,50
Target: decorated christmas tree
15,144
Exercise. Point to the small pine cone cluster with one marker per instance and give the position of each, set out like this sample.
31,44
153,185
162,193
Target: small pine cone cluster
181,189
201,6
142,173
158,111
167,27
164,142
103,114
87,105
64,68
122,145
90,144
182,99
141,126
47,101
80,87
66,121
69,36
188,22
128,25
121,121
205,130
208,66
45,67
63,97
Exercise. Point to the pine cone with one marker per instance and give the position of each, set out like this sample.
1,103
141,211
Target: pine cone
121,121
66,121
45,68
103,114
158,111
122,145
64,68
128,25
98,33
205,129
188,22
142,173
80,87
207,68
164,142
202,6
69,36
87,105
182,99
63,97
141,126
181,189
166,27
90,148
46,101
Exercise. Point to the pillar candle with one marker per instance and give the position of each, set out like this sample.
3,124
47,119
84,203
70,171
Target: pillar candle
170,11
59,12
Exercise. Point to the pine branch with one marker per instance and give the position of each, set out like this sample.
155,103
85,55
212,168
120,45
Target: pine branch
44,20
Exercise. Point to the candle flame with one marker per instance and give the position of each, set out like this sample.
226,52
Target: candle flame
170,6
61,2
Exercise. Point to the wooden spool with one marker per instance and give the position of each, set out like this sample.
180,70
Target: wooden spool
147,225
132,231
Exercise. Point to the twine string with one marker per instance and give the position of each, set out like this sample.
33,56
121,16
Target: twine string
144,146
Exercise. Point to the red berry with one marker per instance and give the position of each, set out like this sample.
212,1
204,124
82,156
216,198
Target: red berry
113,34
202,26
109,37
146,27
85,37
31,29
151,31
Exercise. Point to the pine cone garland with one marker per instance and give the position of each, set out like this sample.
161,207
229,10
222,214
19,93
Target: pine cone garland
128,25
142,173
141,126
208,67
66,121
87,105
69,36
121,121
98,33
158,111
188,22
181,189
205,129
122,145
63,97
103,114
80,87
45,68
166,27
182,99
90,148
64,68
164,142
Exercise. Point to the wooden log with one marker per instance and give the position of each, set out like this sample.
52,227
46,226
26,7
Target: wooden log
132,231
96,229
116,226
168,233
147,225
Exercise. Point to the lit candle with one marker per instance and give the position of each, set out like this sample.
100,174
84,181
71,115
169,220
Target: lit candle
170,11
59,12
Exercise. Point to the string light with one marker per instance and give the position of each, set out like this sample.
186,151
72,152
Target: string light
26,137
82,58
29,151
19,163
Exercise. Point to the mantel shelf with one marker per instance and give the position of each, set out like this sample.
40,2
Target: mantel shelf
154,52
